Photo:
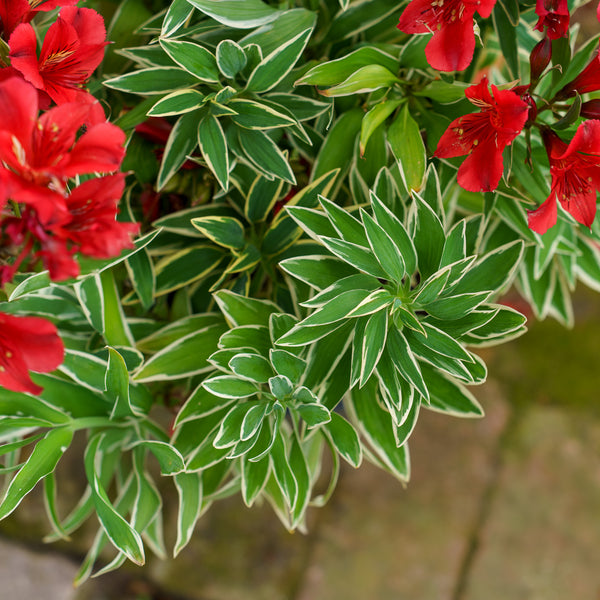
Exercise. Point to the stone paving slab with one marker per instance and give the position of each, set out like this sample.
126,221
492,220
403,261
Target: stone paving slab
542,538
29,575
379,541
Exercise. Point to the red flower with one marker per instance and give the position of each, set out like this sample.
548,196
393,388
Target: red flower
72,49
13,12
554,16
484,135
93,227
575,171
42,153
451,22
27,344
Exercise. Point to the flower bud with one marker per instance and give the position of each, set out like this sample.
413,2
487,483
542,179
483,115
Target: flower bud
539,59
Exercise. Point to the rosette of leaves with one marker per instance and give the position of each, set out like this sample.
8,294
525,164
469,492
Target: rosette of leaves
412,297
231,98
254,424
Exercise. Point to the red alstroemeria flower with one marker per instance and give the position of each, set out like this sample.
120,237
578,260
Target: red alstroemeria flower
451,22
587,81
27,344
42,153
484,135
14,12
93,227
72,49
554,17
575,171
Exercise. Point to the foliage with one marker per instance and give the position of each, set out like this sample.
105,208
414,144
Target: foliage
309,273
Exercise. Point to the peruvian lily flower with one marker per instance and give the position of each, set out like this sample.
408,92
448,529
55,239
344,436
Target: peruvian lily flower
14,12
483,136
575,172
72,49
451,22
554,17
27,344
40,154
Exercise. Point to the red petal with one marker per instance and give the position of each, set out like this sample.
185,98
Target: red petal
453,143
482,169
582,207
12,13
418,17
451,47
485,7
23,57
586,140
100,149
88,24
544,217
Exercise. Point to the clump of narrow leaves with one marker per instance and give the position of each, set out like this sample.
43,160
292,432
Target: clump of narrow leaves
315,262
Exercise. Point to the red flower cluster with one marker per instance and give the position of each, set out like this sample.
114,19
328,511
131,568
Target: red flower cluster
483,136
59,180
27,343
451,22
553,17
575,172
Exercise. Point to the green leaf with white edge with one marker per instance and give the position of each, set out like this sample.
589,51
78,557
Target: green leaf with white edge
231,59
405,362
254,478
364,80
359,17
378,428
448,396
116,384
303,108
268,433
213,147
455,247
116,329
254,115
493,271
230,430
177,103
143,277
261,198
455,307
396,231
169,458
374,118
184,357
175,330
189,489
302,336
239,14
253,420
152,81
241,310
428,237
432,287
225,231
119,532
336,309
345,284
281,387
253,337
288,364
373,344
42,461
358,256
194,58
376,301
313,414
284,475
252,367
299,468
385,250
179,269
344,438
318,271
403,432
264,154
227,386
276,65
347,225
440,341
90,296
50,506
314,222
181,143
506,323
176,17
334,72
